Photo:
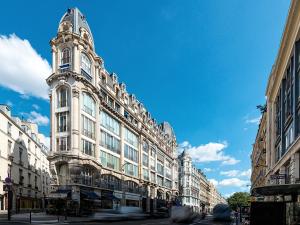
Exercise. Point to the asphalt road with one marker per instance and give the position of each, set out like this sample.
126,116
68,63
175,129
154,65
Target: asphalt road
207,221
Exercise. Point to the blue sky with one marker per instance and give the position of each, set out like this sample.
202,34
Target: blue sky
201,65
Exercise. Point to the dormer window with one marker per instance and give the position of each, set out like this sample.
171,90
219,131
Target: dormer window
66,56
86,66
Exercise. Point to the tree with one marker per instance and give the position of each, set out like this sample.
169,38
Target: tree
238,199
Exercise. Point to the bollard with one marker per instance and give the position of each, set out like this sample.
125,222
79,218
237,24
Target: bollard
30,216
57,218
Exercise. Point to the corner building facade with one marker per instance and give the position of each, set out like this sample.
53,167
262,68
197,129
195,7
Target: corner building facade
105,145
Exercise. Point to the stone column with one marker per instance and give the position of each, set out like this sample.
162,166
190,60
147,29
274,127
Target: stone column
122,168
75,120
148,199
97,132
282,171
295,166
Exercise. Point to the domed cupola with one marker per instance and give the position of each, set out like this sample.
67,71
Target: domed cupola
74,21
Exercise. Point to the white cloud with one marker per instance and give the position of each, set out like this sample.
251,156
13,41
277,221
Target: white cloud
236,173
45,140
210,152
22,69
35,106
228,194
37,118
255,120
214,182
230,173
233,182
207,169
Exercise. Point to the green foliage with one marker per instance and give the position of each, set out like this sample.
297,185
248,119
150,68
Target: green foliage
238,199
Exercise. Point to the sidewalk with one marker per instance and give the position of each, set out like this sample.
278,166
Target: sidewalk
42,217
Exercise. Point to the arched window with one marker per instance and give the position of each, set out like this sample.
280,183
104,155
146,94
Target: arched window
65,56
86,66
62,97
88,104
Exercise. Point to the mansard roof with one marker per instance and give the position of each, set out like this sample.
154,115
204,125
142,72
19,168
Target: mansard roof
78,20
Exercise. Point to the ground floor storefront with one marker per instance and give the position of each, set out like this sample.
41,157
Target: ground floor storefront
79,200
277,203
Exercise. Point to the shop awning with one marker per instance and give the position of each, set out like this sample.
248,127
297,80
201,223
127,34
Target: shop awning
89,194
108,196
279,189
60,194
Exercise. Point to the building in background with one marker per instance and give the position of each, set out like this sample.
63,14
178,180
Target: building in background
194,188
215,197
258,156
24,160
105,145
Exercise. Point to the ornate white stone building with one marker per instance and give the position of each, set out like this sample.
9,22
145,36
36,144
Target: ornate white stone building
104,143
23,158
194,188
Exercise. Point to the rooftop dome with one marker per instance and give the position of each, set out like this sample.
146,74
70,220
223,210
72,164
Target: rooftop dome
77,20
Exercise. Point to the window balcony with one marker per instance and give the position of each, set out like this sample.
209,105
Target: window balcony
64,68
86,75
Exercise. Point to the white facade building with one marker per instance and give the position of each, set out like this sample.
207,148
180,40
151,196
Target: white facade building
104,143
23,158
194,188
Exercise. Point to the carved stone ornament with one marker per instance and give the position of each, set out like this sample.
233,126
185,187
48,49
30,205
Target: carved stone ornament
75,92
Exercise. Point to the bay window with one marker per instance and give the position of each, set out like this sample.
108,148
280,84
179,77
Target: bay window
131,169
130,137
88,147
109,160
88,104
109,123
62,121
110,142
130,153
88,127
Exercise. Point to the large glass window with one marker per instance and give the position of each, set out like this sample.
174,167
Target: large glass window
62,97
86,64
145,147
168,183
62,122
110,161
88,147
146,174
88,104
110,142
160,169
88,127
131,169
145,160
153,180
62,143
109,123
131,138
65,56
160,180
130,153
152,164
